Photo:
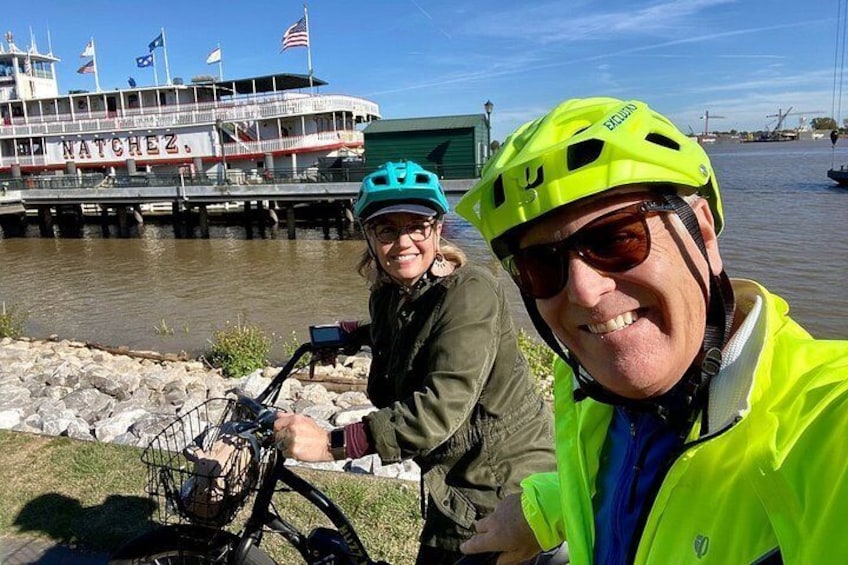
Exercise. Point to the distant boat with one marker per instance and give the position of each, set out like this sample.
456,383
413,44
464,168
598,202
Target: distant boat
840,176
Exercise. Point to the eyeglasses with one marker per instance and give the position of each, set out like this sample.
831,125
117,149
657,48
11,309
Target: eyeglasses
613,243
390,233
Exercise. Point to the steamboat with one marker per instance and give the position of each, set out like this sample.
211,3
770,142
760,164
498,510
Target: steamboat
249,130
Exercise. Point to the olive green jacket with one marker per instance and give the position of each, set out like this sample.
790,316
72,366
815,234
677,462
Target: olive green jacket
455,395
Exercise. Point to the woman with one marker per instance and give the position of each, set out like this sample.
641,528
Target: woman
453,391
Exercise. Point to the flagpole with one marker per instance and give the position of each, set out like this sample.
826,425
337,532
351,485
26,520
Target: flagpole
49,43
94,59
165,50
155,74
308,44
220,64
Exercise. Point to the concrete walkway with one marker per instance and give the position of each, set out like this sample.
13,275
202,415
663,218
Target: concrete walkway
27,551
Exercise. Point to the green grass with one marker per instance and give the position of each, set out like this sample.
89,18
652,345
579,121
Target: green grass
91,495
541,360
12,321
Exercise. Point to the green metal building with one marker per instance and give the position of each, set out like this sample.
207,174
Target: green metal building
454,147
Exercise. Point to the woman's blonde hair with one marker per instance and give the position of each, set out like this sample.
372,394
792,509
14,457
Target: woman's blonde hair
367,267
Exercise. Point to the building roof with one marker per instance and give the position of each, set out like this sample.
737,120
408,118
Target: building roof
283,81
425,124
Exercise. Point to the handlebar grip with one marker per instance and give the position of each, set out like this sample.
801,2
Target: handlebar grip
251,404
264,416
489,558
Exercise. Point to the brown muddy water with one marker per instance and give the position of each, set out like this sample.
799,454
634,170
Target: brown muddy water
787,227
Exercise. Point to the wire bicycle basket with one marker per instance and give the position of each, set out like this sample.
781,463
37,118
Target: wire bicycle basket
204,466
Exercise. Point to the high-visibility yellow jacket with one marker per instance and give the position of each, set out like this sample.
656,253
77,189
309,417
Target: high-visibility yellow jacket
770,477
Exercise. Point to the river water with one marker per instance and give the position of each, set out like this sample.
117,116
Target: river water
787,227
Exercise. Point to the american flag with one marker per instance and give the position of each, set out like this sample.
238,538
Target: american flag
297,35
87,68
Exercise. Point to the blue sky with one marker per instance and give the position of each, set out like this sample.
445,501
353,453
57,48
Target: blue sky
740,59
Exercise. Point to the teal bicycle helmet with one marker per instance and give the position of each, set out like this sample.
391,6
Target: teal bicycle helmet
400,187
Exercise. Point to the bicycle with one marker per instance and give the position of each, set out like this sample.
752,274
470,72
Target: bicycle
241,461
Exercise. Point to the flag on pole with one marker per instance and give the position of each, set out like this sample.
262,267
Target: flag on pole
87,68
214,56
297,35
89,50
144,61
158,42
131,82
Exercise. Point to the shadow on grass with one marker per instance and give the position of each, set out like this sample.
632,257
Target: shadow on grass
103,527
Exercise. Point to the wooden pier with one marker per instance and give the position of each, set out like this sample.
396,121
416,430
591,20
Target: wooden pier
189,204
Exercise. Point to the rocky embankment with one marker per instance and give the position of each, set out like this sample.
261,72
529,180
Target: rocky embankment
65,388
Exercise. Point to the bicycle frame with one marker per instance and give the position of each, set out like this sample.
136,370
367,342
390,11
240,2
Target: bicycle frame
262,516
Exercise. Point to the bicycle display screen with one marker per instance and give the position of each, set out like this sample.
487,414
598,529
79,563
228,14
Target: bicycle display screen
326,336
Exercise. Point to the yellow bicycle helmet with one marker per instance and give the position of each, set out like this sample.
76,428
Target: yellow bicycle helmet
581,148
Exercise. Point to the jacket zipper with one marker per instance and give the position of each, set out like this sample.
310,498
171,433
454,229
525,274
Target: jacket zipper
655,489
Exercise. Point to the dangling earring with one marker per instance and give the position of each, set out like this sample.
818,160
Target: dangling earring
441,267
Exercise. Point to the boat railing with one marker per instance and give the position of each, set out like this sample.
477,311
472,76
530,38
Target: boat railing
310,141
24,161
184,115
314,173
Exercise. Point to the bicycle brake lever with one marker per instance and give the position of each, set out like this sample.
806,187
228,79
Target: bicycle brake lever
266,418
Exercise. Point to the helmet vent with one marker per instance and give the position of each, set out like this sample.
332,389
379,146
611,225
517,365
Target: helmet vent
381,180
421,179
660,139
583,153
498,191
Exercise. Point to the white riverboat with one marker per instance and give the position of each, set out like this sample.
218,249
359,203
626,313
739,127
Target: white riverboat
273,126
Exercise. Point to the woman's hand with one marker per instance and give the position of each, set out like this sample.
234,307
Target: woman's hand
299,437
506,531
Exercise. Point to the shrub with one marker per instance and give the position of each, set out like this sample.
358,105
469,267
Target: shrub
289,347
12,321
541,360
239,349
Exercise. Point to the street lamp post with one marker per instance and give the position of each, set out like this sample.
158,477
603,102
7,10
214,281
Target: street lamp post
488,106
219,127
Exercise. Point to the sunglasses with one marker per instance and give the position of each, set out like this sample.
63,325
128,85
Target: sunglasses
613,243
390,233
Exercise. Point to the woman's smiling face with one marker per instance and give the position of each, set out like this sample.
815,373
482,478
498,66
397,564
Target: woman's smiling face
404,259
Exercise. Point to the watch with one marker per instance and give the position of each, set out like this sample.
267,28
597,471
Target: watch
337,444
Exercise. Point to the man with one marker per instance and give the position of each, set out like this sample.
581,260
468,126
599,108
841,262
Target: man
695,421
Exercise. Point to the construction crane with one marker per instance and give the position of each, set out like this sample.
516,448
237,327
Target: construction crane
780,117
777,132
706,117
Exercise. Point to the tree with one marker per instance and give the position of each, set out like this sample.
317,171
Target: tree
823,123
